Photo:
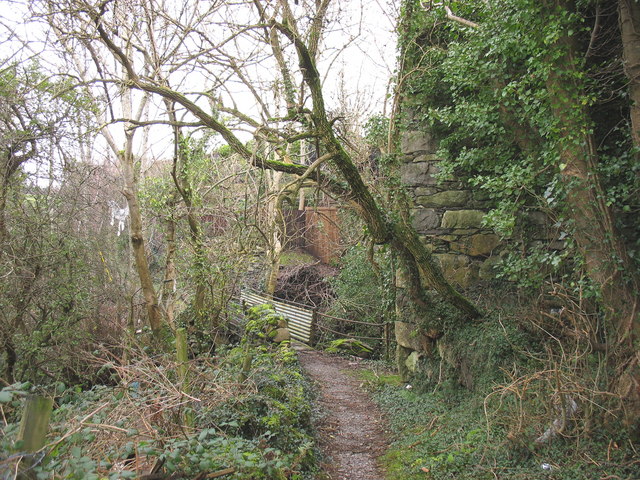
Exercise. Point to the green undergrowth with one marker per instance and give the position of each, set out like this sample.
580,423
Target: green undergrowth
378,378
350,346
440,436
259,428
442,430
479,404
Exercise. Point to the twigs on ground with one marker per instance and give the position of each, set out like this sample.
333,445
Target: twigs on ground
307,284
146,408
569,391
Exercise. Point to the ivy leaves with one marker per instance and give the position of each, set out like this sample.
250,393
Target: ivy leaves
488,94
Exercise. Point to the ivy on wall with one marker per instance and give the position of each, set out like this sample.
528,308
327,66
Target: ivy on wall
486,92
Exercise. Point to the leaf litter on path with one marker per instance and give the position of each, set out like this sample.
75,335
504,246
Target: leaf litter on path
351,433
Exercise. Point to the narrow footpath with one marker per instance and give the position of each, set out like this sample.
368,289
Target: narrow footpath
350,426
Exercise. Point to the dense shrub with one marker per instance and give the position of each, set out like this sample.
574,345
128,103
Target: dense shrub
260,428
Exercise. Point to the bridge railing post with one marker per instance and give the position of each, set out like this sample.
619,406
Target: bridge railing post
314,327
33,430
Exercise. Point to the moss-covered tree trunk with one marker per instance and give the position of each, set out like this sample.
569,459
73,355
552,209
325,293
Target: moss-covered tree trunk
629,11
200,264
182,181
606,259
154,313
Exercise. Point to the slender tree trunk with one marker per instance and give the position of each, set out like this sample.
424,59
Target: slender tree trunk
169,283
275,230
124,154
183,186
271,282
629,11
274,255
138,244
201,261
197,241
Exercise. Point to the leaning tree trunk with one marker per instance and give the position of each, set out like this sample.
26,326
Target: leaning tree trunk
401,236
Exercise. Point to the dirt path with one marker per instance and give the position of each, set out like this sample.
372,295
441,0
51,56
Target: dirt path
350,428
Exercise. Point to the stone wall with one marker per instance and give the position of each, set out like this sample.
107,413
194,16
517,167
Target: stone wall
446,215
449,219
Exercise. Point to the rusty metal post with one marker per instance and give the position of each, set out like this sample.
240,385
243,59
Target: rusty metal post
387,340
314,327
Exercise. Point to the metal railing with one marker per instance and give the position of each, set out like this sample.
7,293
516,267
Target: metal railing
382,340
307,325
301,321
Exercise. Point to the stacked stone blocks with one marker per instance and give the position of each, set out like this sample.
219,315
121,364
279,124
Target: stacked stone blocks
448,216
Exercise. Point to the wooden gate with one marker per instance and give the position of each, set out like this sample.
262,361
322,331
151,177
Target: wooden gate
316,230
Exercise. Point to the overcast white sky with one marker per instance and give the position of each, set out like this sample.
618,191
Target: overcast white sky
371,59
359,72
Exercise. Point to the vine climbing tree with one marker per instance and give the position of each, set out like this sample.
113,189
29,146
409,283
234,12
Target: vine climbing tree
529,104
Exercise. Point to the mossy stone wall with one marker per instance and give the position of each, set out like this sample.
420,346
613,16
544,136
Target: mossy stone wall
447,215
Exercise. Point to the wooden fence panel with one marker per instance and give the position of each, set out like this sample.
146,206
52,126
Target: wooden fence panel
295,228
322,233
314,229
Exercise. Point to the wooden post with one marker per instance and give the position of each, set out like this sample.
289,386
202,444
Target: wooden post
387,341
246,363
33,428
183,368
313,330
181,355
